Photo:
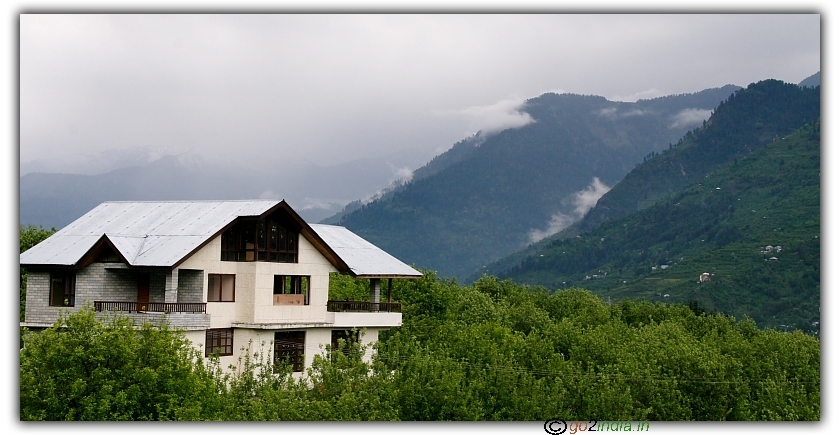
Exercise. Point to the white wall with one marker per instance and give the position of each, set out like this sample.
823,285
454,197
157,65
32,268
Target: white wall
255,286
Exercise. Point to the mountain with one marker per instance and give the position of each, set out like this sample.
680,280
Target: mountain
56,199
748,120
490,196
812,81
458,152
722,225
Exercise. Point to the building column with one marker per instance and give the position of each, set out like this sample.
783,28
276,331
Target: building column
170,290
374,290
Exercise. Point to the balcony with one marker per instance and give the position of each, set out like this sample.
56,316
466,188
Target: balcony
363,307
151,307
182,315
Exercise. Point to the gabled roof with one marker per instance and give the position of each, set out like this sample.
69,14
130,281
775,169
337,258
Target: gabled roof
165,233
363,258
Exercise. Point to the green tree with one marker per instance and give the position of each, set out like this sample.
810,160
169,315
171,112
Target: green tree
84,369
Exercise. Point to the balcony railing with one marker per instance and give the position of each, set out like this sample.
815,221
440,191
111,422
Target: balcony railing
365,307
151,307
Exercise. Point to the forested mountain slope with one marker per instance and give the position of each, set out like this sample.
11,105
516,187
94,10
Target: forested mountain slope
484,203
748,120
722,226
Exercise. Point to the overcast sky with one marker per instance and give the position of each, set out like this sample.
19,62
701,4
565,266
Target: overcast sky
334,88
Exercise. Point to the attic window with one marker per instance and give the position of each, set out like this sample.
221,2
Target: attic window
260,240
108,255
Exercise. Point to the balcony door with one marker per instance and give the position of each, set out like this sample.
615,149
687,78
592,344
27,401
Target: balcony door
142,291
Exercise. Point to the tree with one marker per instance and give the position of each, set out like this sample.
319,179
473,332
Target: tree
84,369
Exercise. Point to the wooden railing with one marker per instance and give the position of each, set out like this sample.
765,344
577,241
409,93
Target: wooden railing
367,307
152,307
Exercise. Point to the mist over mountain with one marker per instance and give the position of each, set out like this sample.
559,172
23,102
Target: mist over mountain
492,195
752,228
748,120
56,199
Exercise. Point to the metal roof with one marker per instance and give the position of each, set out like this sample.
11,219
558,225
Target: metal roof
163,233
145,233
362,257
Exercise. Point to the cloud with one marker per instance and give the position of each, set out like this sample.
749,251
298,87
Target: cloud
634,112
402,175
268,194
609,112
632,98
322,204
587,198
689,117
557,223
492,118
612,113
582,200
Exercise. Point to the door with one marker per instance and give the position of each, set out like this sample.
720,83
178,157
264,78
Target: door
142,291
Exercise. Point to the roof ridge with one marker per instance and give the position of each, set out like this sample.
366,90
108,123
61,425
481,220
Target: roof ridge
191,200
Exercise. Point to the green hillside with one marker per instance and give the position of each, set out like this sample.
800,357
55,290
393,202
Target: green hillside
748,120
721,226
480,204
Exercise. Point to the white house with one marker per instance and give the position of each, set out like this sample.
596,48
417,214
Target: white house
228,273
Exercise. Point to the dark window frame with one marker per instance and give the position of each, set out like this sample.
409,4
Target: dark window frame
290,347
293,285
221,278
62,289
349,336
268,239
218,340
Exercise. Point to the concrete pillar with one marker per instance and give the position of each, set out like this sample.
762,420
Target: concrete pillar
170,290
374,290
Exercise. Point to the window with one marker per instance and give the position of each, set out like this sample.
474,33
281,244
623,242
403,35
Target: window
289,349
349,336
291,290
62,289
221,288
219,341
260,240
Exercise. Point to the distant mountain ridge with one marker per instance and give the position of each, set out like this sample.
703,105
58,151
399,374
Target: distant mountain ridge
748,120
55,199
479,203
753,227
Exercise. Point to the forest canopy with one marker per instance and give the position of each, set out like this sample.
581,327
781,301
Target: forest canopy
494,350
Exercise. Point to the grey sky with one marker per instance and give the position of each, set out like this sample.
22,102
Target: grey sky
334,88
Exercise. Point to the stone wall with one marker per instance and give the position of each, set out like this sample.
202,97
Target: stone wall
114,282
190,285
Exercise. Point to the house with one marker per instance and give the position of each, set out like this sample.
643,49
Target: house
230,274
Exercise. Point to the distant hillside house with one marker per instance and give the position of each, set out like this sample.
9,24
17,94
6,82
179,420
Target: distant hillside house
228,273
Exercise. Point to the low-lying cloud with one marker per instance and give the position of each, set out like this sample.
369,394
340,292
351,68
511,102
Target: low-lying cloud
688,117
583,201
587,198
612,113
494,117
402,175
